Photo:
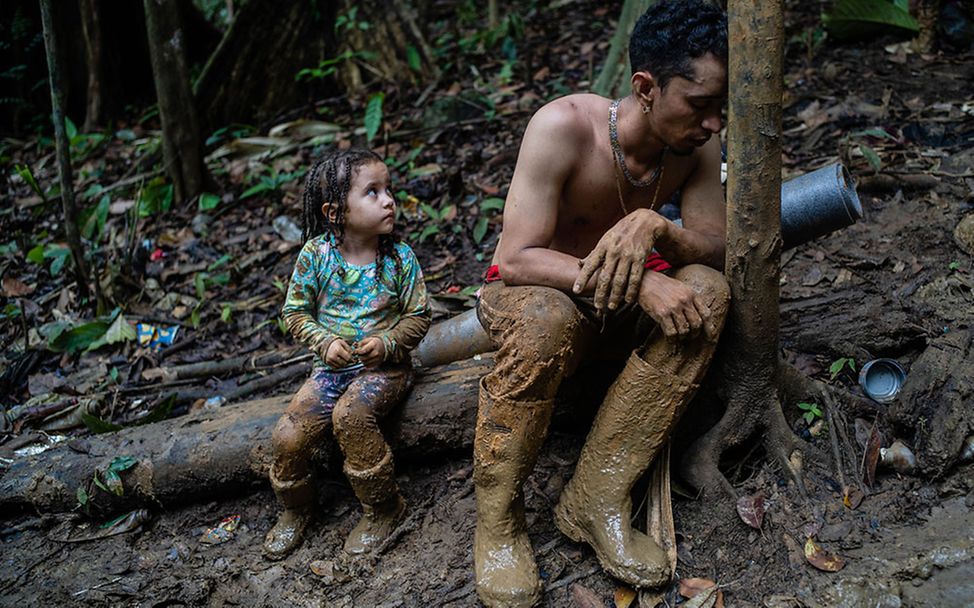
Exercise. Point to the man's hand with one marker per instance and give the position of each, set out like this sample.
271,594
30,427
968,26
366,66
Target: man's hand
371,351
339,354
679,310
620,254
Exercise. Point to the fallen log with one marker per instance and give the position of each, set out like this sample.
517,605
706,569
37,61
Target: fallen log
212,453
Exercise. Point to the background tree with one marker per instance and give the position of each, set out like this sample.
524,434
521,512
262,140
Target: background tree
181,144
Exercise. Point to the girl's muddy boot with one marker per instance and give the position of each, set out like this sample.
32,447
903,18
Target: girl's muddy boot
631,427
509,435
383,507
297,498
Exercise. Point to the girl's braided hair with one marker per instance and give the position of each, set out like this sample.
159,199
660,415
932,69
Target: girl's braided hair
329,181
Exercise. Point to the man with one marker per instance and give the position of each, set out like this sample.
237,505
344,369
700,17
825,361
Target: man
569,280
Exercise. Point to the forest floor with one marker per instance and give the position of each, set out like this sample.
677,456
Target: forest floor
884,287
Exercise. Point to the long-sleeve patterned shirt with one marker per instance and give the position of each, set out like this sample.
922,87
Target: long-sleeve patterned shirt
328,298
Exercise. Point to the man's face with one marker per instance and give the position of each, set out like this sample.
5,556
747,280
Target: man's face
687,112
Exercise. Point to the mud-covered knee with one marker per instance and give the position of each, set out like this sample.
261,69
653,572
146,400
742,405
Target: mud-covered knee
288,436
551,325
709,283
350,414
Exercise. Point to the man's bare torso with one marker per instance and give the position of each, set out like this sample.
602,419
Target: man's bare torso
589,203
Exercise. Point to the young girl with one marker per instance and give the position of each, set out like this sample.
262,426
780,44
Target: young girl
358,301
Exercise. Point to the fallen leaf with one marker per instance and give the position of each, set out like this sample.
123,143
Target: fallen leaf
702,593
13,288
852,497
751,509
821,559
624,597
583,597
870,456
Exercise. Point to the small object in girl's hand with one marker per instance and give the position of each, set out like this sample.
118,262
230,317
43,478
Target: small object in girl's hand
222,532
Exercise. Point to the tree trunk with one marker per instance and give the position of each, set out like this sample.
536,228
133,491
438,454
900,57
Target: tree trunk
181,144
380,39
69,209
91,31
750,343
614,77
243,81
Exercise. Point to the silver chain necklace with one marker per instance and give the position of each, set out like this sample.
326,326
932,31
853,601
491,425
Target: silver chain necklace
620,157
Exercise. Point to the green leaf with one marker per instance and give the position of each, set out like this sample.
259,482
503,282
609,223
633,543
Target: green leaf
480,230
430,211
428,232
861,18
373,116
27,175
114,482
120,331
82,496
122,463
839,364
226,313
199,282
99,483
491,203
97,426
806,406
877,132
413,59
70,129
809,417
36,254
79,337
159,412
871,156
257,189
94,223
208,201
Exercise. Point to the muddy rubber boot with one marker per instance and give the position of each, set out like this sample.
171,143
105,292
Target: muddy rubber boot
383,508
630,429
297,498
509,435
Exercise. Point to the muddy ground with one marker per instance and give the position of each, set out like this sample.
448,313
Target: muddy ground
884,287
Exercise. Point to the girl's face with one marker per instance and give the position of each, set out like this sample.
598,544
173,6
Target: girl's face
370,209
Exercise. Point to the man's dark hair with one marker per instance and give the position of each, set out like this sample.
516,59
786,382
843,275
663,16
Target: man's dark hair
672,33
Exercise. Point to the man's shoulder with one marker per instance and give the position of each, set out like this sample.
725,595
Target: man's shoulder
571,116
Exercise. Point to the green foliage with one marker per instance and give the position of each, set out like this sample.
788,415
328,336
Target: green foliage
373,115
155,197
861,18
349,20
488,207
91,335
98,426
58,255
840,364
93,219
955,265
328,67
27,175
812,412
272,181
229,132
208,201
81,144
871,157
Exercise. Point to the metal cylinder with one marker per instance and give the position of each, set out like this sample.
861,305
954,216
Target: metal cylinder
454,339
817,203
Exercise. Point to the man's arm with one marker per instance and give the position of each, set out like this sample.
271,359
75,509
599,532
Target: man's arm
702,238
548,150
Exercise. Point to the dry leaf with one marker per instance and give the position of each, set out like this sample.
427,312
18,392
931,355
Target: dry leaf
624,597
852,497
818,557
13,288
702,593
751,509
870,457
583,597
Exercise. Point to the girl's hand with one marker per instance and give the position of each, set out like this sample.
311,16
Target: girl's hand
339,354
371,351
